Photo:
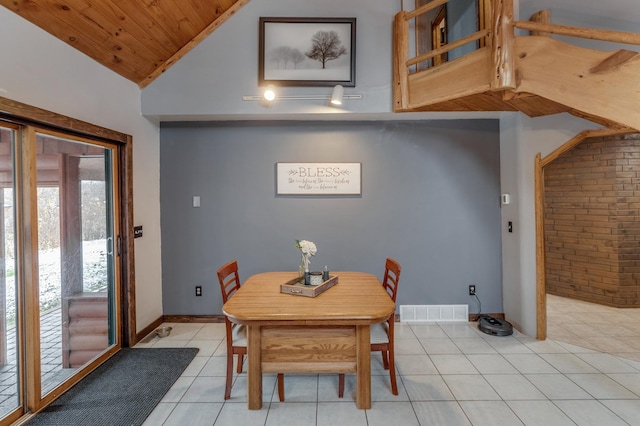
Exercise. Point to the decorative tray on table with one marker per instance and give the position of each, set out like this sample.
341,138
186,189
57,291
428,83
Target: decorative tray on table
296,286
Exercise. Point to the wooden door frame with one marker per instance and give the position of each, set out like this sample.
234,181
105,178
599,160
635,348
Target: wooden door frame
436,33
539,164
33,118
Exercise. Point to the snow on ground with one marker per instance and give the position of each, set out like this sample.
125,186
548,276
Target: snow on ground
94,272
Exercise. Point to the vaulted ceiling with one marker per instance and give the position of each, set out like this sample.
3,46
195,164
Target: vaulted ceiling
138,39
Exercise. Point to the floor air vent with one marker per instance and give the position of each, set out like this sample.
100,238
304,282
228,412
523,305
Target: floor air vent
431,313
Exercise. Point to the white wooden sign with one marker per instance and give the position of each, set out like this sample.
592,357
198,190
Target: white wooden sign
318,178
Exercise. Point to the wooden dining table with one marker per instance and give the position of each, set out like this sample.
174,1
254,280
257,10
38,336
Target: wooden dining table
328,333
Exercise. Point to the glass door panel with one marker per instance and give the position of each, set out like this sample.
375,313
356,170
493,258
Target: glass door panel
75,255
10,396
60,308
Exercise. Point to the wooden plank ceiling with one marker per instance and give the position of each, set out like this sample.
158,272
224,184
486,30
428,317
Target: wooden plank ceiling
138,39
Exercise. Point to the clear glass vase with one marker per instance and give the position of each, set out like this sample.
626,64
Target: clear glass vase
301,267
304,265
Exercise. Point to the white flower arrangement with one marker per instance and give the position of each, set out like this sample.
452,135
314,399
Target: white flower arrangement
307,248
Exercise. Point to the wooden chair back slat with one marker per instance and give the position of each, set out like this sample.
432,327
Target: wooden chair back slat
391,277
229,279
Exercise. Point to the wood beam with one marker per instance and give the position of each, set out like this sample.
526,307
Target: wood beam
541,297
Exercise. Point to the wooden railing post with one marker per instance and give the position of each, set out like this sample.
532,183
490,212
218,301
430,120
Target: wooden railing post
502,46
543,17
401,55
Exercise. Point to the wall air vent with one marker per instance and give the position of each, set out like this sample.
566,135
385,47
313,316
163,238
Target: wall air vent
432,313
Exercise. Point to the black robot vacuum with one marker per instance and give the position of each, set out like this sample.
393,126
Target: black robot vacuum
494,326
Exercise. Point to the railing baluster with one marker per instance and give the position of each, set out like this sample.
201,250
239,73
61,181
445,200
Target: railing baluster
588,33
448,47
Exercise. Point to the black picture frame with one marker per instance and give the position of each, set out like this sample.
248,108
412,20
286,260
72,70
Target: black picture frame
307,52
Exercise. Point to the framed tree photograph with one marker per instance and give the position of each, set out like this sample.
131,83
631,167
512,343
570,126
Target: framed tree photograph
307,52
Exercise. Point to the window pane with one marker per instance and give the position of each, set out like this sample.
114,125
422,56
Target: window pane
75,245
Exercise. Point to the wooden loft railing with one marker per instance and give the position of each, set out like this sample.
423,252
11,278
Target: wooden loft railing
481,80
535,74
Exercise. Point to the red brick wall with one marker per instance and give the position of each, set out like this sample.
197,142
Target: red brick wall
592,222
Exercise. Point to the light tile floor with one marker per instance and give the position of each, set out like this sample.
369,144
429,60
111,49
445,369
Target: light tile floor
449,374
602,328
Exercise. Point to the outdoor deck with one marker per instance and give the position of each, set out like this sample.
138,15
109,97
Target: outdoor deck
51,366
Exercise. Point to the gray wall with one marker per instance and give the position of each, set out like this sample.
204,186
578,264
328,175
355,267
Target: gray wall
430,199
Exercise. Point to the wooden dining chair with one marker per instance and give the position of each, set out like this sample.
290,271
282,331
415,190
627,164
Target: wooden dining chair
236,333
382,333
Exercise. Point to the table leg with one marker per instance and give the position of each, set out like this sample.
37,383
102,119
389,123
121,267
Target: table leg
254,371
363,366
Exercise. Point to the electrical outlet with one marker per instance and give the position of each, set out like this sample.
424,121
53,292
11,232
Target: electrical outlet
198,290
472,290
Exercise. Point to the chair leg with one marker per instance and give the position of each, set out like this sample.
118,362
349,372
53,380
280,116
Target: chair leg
227,391
281,387
240,363
340,385
385,359
392,372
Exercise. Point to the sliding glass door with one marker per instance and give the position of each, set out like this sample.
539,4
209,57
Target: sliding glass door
75,255
59,264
